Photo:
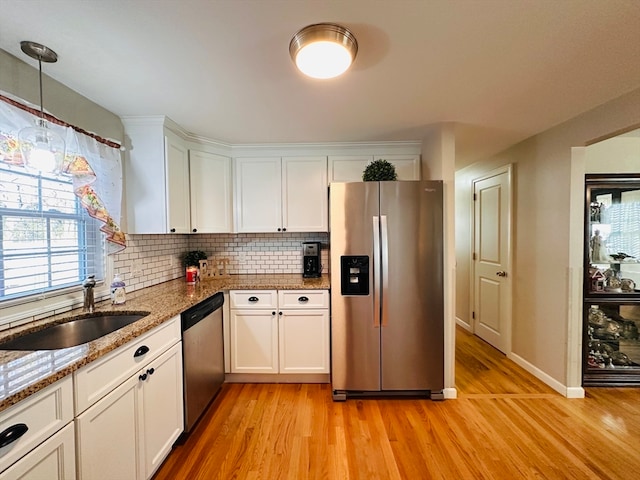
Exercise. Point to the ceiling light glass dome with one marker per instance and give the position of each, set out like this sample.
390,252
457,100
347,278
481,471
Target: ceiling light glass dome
323,50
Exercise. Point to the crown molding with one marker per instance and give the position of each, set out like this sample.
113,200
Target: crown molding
256,149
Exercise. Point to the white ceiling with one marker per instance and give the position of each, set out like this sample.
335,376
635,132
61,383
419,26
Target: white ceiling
502,70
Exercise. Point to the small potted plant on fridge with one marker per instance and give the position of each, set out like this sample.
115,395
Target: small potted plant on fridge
379,171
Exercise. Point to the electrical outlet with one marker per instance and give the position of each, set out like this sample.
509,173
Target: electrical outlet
136,269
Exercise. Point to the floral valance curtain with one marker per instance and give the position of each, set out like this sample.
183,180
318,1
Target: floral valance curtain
94,166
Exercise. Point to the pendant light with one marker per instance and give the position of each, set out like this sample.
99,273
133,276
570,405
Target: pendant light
323,50
42,149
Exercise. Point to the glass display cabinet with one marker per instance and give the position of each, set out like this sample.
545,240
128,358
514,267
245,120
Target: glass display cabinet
612,281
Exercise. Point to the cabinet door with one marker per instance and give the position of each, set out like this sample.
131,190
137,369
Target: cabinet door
348,168
407,166
210,187
108,435
304,341
254,341
258,195
161,407
44,413
177,184
305,196
54,459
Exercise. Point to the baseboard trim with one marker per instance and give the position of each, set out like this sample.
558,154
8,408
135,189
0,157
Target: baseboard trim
277,378
575,392
569,392
464,325
450,393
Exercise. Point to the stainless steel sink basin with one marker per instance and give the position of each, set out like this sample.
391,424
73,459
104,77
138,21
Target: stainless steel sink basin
72,333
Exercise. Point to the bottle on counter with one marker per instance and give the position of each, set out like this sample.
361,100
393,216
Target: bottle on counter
118,293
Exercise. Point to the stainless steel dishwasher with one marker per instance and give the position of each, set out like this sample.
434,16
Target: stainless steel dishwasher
203,356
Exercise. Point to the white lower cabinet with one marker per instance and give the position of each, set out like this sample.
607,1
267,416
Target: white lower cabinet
29,434
108,435
254,338
279,331
304,341
129,432
54,459
161,408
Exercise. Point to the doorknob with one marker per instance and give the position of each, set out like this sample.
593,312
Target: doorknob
501,273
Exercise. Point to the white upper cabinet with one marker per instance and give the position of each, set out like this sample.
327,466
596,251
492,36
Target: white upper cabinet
211,195
177,183
349,168
156,177
407,166
276,194
258,192
305,201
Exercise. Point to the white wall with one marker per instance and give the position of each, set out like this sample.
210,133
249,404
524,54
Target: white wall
20,79
543,276
438,163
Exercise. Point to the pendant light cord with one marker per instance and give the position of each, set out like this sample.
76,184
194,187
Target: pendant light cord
40,76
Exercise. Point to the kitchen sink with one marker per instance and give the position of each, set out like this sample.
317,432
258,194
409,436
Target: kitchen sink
74,332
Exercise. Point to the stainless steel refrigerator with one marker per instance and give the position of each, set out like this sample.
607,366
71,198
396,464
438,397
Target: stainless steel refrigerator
387,301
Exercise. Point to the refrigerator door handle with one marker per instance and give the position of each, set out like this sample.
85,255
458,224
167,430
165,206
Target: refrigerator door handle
376,272
384,251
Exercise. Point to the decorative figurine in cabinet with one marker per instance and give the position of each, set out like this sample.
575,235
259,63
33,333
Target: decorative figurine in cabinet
612,281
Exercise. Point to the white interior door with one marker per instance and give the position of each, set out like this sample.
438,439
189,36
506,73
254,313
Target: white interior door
492,280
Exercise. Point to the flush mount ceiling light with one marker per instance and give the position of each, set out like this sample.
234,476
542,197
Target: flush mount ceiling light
42,149
323,50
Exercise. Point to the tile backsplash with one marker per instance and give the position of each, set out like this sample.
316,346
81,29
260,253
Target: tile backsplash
152,259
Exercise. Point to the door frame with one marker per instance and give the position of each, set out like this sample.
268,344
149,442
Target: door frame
508,285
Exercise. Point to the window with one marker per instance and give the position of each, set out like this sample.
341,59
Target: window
47,240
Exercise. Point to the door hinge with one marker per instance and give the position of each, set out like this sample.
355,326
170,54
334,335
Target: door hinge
475,197
473,315
474,255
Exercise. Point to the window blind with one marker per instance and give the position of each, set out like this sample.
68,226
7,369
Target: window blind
47,240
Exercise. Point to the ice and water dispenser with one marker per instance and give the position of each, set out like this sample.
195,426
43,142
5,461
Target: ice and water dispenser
354,274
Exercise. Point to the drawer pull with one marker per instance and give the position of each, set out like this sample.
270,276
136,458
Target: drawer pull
253,299
143,377
141,351
303,299
150,371
13,433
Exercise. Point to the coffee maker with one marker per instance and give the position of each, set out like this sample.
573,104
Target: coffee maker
311,266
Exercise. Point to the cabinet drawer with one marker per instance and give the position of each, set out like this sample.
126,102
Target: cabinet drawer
43,413
253,299
303,299
55,459
95,380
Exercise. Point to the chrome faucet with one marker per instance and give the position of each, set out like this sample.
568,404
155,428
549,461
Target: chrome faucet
89,301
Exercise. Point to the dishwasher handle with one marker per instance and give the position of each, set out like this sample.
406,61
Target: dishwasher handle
203,309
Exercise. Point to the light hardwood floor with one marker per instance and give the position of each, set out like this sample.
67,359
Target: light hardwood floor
504,425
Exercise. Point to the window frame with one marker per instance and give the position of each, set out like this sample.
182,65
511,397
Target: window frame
80,249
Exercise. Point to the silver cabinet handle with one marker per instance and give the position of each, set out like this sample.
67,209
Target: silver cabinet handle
501,273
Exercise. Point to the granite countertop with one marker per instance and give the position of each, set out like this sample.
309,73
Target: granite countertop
23,373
